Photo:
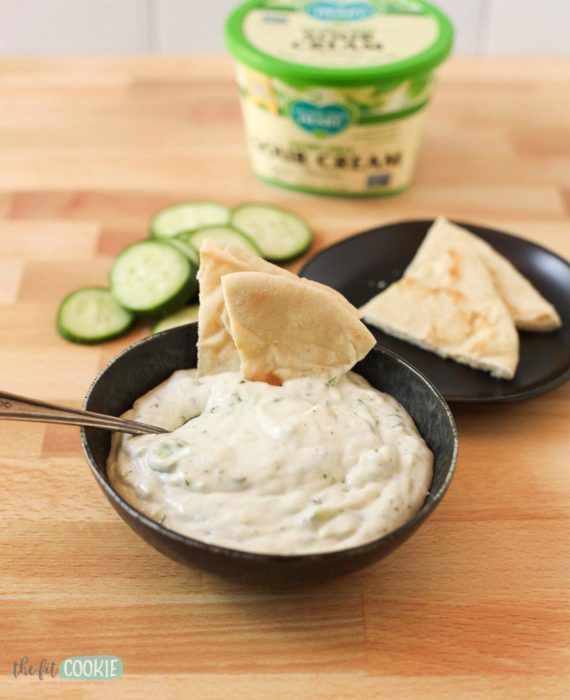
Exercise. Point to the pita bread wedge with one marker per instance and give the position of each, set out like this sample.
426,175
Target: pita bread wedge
216,348
284,328
449,305
529,309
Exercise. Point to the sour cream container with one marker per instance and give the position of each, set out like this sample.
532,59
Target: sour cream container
334,92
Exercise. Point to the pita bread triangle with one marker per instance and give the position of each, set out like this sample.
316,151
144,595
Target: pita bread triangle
529,309
284,328
449,305
216,349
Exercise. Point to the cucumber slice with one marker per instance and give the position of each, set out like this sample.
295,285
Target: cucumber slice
189,314
279,234
185,248
192,254
151,277
223,234
187,216
92,315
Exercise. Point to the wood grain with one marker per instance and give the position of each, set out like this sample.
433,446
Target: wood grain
475,606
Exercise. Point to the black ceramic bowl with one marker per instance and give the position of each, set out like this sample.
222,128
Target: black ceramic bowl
152,360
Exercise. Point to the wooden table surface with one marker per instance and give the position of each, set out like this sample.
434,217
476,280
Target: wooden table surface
474,606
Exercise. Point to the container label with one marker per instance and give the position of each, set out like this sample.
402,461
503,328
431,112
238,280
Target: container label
360,158
337,34
361,139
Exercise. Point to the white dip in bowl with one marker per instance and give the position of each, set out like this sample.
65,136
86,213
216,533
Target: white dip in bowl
310,466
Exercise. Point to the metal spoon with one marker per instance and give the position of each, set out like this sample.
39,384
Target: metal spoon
13,407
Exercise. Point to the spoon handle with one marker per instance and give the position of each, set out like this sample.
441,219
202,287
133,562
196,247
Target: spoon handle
14,407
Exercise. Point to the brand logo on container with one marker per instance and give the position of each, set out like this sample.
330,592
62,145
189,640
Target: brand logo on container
320,121
340,12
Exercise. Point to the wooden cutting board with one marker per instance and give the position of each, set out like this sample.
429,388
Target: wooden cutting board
475,605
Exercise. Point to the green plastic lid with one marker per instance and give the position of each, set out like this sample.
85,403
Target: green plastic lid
339,42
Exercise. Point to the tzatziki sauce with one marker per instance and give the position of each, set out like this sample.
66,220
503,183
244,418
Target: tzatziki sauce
310,466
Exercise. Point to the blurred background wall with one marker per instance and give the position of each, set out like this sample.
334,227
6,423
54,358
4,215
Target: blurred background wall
27,27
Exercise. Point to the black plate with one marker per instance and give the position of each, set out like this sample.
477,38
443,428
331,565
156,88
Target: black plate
358,265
